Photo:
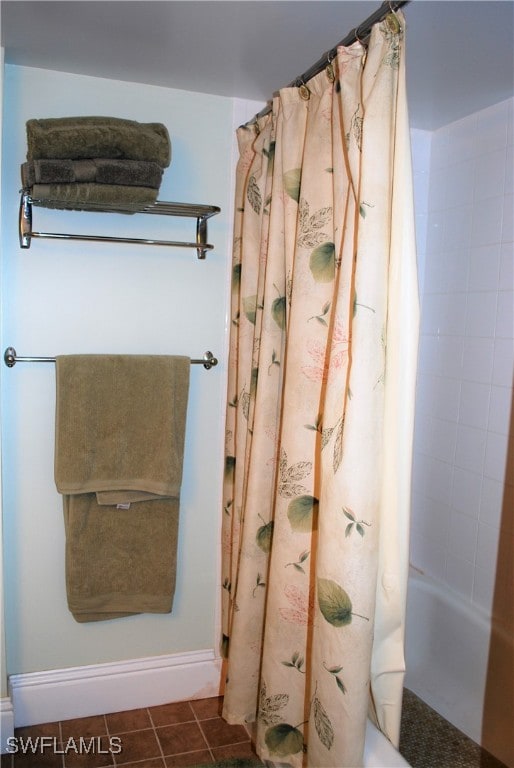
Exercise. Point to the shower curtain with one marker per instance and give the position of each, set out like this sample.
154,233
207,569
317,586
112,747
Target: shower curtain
324,326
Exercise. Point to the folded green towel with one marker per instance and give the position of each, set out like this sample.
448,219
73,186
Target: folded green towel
85,137
82,196
134,173
119,562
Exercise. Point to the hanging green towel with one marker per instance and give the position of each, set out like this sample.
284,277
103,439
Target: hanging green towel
120,431
119,561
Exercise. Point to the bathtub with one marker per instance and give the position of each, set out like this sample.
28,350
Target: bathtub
379,752
448,662
446,648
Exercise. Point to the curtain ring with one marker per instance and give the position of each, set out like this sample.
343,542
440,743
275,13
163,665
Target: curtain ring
356,33
329,69
394,22
303,90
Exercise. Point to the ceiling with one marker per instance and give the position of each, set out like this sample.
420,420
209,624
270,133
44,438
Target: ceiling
459,52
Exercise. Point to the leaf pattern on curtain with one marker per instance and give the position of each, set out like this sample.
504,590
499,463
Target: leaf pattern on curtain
305,403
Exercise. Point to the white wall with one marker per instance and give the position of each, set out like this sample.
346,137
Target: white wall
466,362
63,297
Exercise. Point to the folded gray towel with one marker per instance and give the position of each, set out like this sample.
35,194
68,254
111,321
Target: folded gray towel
80,196
85,137
134,173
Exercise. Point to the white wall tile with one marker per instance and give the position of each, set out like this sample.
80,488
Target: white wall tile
483,587
506,282
505,315
462,537
487,221
495,458
466,492
442,439
459,575
450,356
432,521
435,231
446,400
509,170
427,556
477,360
503,362
508,220
487,545
438,480
470,450
499,418
484,267
491,501
458,225
489,178
474,404
481,314
460,185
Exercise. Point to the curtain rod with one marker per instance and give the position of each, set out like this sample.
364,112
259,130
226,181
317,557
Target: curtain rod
360,33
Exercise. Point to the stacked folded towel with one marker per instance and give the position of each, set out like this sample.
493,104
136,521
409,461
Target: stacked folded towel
108,162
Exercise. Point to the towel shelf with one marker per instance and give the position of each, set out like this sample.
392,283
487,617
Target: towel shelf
200,212
11,358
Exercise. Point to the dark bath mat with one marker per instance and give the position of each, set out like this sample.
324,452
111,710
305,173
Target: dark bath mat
427,740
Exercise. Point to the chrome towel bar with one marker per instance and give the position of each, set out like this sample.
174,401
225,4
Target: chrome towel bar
11,358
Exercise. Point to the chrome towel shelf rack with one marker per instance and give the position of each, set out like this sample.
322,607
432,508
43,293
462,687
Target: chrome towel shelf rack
11,358
189,210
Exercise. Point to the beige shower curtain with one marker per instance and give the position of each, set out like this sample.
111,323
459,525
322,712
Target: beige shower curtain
324,324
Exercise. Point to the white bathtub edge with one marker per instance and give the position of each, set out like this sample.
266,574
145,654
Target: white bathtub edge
379,752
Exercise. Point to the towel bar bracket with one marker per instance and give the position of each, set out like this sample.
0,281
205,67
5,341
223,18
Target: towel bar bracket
11,358
200,212
25,220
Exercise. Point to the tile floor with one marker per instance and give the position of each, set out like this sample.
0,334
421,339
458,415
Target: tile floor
168,736
192,732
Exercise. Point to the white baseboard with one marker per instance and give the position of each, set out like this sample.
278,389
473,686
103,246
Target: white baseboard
61,694
6,723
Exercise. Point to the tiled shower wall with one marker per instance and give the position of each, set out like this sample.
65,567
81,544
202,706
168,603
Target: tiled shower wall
463,473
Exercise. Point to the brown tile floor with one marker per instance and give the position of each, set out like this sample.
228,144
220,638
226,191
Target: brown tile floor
191,732
167,736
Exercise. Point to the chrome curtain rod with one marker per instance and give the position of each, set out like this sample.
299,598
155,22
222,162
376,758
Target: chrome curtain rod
358,33
10,358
